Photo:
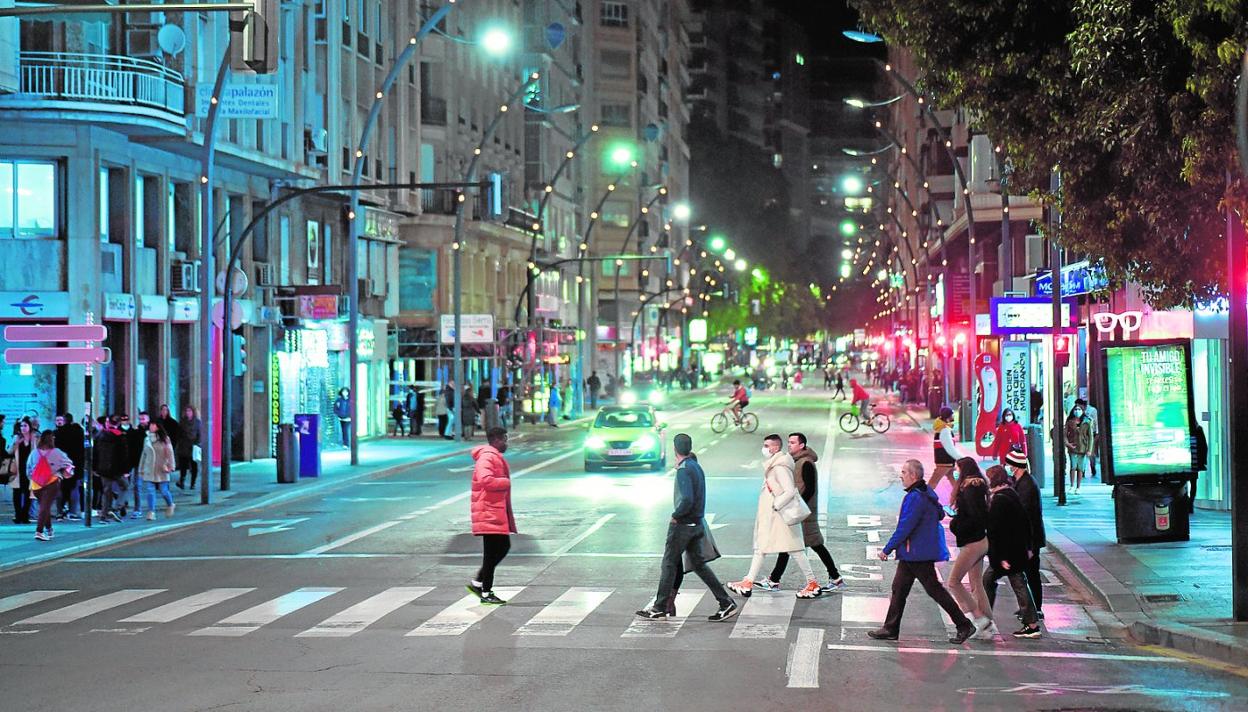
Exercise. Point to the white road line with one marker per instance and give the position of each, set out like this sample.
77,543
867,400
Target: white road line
686,601
765,616
91,606
186,606
584,535
369,499
829,451
461,615
256,617
19,600
350,538
804,658
1002,653
365,613
856,608
565,613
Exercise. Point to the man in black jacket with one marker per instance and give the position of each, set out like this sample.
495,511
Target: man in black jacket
69,439
1029,495
1009,548
110,460
136,438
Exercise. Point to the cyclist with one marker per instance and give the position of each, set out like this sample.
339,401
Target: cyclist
740,399
861,398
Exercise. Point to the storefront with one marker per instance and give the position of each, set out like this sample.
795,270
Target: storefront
25,389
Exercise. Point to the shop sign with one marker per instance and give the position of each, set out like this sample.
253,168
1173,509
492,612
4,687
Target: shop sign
988,377
1107,324
184,310
119,307
1016,379
1149,409
366,342
239,101
477,328
547,304
751,336
317,306
275,389
34,305
379,225
1078,278
697,331
153,307
1029,315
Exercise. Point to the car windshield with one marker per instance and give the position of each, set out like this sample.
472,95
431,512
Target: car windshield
624,419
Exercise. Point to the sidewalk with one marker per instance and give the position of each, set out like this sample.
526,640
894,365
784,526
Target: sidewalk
1173,594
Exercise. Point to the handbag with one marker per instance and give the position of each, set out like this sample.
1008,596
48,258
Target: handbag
706,553
8,470
795,511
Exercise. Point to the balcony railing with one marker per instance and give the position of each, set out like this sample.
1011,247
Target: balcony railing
102,78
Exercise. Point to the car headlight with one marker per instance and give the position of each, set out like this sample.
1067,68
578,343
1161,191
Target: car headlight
646,442
628,398
656,396
593,442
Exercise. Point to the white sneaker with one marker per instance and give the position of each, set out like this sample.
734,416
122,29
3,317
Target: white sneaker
987,631
169,510
767,585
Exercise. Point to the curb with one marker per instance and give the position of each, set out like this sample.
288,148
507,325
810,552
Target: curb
259,503
1190,639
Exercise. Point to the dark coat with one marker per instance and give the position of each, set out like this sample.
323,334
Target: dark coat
69,440
1009,531
970,524
185,445
136,438
806,477
1029,495
110,456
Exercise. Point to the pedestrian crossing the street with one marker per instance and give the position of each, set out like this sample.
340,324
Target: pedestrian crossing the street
443,611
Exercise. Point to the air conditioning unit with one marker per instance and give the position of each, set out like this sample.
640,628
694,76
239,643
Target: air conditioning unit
366,287
184,277
142,43
266,276
1037,254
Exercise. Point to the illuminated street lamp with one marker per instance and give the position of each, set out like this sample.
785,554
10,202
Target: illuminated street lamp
851,184
847,254
682,212
717,243
740,265
848,228
729,254
496,41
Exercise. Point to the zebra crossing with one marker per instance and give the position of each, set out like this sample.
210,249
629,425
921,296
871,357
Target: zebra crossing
536,612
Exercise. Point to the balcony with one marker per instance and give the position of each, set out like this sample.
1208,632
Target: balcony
432,110
73,82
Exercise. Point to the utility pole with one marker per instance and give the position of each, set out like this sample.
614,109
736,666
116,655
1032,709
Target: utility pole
1055,407
1237,373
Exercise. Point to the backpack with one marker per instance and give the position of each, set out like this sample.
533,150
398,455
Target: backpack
42,474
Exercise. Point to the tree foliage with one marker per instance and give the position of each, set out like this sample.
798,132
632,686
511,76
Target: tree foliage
1132,100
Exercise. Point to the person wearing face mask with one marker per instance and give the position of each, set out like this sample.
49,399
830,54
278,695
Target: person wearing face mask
945,451
771,534
1078,444
1009,436
155,464
136,441
1029,494
492,518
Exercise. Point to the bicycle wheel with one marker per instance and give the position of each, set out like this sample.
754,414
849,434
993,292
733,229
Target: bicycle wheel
880,423
848,422
719,422
749,422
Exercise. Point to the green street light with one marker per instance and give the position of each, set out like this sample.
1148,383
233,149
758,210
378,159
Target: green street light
740,265
848,228
845,270
496,41
620,155
717,243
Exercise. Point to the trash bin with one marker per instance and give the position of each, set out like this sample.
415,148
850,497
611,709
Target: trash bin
935,399
1037,458
1157,511
308,425
287,454
489,415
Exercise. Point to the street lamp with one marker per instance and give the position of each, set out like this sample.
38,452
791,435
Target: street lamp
849,228
862,36
852,184
496,41
740,265
717,243
864,104
681,211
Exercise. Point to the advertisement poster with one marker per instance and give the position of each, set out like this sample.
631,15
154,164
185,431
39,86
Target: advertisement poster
1149,403
988,380
1015,379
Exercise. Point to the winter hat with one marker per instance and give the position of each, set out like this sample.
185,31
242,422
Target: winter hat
1017,458
946,413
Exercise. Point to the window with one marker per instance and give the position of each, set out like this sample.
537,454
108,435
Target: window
617,115
29,202
615,64
617,212
614,13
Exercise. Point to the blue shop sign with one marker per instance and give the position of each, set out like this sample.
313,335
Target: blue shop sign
1078,278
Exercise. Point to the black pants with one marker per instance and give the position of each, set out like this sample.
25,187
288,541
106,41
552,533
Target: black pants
346,431
683,538
782,563
494,550
47,504
112,489
840,391
903,580
21,500
187,464
1018,582
418,423
443,420
1035,583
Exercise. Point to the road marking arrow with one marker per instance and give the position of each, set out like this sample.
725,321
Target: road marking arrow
258,526
710,522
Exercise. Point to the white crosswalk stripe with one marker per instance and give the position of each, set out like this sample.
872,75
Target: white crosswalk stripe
765,616
461,615
365,613
686,601
19,600
76,611
565,612
186,606
259,616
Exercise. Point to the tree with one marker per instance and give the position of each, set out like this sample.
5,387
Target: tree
1132,101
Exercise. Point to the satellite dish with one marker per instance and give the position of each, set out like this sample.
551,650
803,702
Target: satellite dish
172,39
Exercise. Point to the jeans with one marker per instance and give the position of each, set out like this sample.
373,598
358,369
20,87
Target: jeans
112,489
71,494
494,548
1018,582
682,538
903,581
136,488
149,492
782,563
47,505
345,424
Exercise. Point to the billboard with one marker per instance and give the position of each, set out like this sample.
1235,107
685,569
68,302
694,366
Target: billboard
1030,315
1149,411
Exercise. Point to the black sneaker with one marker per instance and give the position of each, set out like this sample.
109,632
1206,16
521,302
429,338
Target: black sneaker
882,634
474,589
651,614
724,613
1028,631
488,598
114,516
964,633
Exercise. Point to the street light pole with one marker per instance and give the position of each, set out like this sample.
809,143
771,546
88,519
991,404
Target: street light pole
619,313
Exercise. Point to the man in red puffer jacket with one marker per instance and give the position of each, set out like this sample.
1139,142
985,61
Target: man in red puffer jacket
492,519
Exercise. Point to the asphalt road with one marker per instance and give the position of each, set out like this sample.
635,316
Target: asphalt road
354,600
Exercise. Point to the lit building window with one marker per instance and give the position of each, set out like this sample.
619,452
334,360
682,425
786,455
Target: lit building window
614,13
29,203
777,159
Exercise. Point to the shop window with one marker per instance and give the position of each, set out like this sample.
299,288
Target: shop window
29,199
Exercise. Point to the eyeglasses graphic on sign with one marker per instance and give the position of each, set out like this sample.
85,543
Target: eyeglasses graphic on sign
1107,322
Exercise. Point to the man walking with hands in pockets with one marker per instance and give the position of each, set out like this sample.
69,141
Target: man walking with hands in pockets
685,533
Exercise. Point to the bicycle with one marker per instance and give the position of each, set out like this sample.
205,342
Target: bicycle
748,422
851,421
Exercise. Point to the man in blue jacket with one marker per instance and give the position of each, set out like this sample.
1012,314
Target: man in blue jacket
919,542
685,534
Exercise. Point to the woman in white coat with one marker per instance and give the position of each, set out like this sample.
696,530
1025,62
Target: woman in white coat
771,534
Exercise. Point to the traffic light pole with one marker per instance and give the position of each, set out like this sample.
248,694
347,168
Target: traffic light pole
1237,366
1056,406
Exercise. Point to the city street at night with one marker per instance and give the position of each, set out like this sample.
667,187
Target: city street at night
355,599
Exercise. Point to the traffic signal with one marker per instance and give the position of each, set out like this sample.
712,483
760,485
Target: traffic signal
1061,351
254,37
240,354
494,199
